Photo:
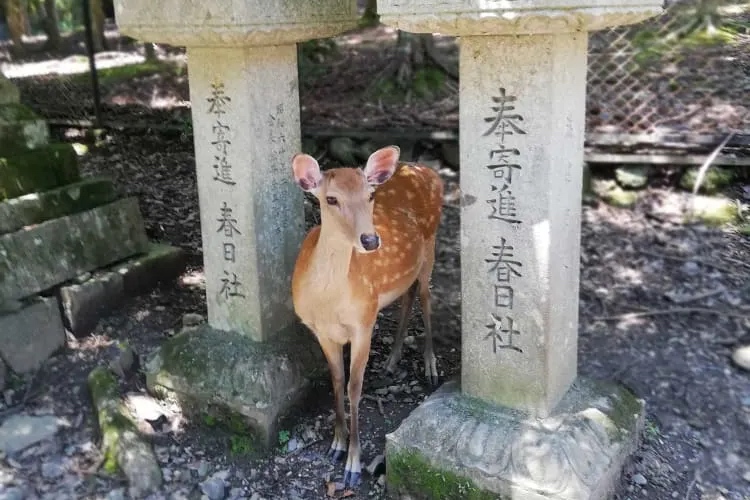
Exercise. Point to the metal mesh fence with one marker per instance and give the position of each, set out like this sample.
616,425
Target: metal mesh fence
667,74
675,73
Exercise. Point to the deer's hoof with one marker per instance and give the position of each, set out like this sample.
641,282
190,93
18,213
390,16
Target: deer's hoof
352,479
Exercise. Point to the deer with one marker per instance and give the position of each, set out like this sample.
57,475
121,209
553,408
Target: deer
375,244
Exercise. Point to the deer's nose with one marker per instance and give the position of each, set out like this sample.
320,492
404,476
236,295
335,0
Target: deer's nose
370,241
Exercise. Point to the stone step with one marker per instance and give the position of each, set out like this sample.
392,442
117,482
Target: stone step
38,258
84,303
37,170
35,208
21,128
9,93
31,334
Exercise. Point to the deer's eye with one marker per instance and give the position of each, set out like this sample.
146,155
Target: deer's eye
331,200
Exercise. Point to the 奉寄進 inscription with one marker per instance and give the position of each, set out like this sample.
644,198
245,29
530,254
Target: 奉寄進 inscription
505,165
219,106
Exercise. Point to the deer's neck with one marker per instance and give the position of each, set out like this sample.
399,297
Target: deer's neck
331,260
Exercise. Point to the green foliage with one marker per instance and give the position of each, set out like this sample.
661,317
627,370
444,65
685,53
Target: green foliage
241,444
284,437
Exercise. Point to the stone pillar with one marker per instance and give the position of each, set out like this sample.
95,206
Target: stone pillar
242,60
520,423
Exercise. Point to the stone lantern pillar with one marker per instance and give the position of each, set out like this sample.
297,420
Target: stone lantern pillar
520,424
242,60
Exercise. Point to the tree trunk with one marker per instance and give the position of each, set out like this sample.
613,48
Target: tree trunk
51,25
15,13
97,25
417,66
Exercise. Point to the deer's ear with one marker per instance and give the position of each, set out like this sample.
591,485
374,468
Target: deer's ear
306,172
381,165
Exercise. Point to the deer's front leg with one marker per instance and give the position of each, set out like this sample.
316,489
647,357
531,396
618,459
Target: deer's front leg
335,356
360,353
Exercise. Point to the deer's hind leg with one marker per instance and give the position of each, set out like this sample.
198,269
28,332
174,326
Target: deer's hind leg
407,302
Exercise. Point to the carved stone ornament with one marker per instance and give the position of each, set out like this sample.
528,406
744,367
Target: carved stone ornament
225,23
509,17
574,454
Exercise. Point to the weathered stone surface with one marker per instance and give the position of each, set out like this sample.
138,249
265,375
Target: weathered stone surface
453,446
38,258
123,446
234,24
633,177
741,357
520,216
21,128
18,432
84,304
162,264
36,170
480,17
259,380
34,208
252,229
31,335
9,93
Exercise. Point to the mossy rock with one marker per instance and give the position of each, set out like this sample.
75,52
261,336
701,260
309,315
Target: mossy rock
614,195
714,180
633,177
123,447
34,208
261,381
37,170
713,211
21,128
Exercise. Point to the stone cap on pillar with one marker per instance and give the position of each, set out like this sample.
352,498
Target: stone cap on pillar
234,23
513,17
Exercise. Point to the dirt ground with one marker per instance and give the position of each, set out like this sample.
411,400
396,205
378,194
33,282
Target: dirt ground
690,284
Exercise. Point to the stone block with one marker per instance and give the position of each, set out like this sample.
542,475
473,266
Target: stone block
161,264
31,335
35,170
46,255
84,304
455,446
21,128
234,24
260,381
9,93
34,208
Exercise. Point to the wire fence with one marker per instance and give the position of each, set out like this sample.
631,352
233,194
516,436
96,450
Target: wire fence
671,74
682,72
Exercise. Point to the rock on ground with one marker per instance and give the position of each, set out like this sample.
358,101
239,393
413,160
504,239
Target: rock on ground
18,432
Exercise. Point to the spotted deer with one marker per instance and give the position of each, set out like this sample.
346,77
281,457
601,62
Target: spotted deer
375,244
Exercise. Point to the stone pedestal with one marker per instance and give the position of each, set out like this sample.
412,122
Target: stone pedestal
522,107
245,106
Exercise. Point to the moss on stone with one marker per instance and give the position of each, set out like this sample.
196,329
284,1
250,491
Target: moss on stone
112,422
21,128
624,414
409,473
35,208
633,176
37,170
714,180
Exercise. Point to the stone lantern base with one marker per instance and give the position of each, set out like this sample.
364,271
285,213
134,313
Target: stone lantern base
454,446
